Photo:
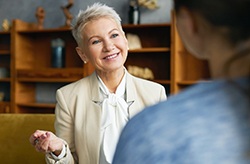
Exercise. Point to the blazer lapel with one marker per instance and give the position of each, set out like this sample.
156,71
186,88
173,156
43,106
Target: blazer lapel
131,96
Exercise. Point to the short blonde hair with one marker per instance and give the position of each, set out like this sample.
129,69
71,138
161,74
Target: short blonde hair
94,12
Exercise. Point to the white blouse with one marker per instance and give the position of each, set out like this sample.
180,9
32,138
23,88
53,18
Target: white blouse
114,118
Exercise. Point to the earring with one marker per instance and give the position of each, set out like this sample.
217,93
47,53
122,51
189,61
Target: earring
84,62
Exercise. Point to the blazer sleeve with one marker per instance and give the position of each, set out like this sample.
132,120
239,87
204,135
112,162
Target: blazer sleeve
64,129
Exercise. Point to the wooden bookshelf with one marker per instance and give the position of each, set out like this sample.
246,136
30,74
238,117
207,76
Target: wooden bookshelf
6,65
26,52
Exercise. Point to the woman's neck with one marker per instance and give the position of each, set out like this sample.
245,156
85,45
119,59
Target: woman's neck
112,79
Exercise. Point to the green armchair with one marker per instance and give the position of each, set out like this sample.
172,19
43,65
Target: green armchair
15,130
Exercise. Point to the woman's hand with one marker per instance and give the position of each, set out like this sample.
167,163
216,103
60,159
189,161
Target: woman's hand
46,142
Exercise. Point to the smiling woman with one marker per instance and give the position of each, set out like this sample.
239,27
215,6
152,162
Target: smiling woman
91,112
106,50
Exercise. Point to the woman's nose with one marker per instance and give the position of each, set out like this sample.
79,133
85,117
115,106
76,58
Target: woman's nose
108,46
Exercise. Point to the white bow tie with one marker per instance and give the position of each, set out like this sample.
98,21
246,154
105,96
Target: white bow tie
114,118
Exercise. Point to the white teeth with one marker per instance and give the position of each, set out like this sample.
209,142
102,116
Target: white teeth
111,57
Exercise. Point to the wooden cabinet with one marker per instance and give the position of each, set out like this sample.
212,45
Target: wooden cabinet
5,72
155,51
26,52
36,80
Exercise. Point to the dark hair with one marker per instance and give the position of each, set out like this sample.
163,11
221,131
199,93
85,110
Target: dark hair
233,14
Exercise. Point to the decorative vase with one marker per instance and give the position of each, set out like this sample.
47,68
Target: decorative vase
134,12
58,53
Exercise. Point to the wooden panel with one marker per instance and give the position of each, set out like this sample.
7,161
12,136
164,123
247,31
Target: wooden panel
50,74
5,107
24,54
25,92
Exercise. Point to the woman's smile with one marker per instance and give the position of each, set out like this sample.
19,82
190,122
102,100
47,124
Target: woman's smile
112,56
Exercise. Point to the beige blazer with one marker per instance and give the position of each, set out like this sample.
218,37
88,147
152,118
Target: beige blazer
78,114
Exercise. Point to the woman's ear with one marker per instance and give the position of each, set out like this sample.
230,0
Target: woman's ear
82,54
126,39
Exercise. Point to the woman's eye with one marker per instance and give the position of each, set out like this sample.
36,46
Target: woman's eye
114,35
96,42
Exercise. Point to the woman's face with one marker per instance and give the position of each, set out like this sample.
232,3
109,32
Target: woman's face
104,45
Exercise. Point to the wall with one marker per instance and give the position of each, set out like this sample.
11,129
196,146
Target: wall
25,10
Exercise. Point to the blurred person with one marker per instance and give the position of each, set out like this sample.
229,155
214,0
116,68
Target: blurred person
208,123
91,112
